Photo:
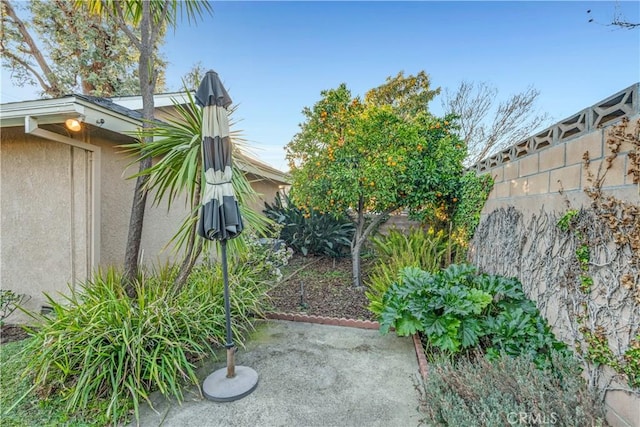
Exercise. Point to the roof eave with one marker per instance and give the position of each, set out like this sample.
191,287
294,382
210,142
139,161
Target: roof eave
49,111
134,102
255,167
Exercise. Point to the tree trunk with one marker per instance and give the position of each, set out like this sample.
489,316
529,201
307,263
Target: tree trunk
356,244
190,256
147,87
355,261
187,265
360,236
134,236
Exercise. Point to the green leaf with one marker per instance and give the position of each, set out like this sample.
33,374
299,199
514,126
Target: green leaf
470,332
407,326
479,299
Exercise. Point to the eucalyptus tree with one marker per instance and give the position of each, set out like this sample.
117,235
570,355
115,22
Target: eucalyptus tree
143,21
191,80
62,49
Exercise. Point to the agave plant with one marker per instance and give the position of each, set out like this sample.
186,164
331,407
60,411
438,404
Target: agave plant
314,233
178,174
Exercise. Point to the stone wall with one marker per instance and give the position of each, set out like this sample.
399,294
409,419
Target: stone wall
536,182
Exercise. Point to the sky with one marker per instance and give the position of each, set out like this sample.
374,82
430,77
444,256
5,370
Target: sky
276,57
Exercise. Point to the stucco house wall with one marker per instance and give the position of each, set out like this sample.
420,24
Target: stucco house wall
44,215
266,192
65,202
160,224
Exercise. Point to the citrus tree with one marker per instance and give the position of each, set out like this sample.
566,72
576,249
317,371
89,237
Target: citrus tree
371,158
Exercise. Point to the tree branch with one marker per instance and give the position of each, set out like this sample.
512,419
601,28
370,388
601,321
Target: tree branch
53,88
624,24
122,23
31,70
513,119
156,27
375,222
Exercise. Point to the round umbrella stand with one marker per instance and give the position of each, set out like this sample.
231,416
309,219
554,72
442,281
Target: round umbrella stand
219,388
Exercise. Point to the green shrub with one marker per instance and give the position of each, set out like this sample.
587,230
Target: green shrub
9,302
264,257
457,309
473,192
508,391
399,249
445,306
311,233
20,407
457,212
101,346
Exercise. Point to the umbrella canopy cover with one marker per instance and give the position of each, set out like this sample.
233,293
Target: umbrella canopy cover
220,217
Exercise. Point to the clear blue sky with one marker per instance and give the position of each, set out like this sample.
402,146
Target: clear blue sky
276,57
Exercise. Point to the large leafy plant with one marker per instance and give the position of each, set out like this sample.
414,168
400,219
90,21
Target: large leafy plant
310,232
457,309
446,306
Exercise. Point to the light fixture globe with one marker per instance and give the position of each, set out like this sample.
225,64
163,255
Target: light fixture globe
73,125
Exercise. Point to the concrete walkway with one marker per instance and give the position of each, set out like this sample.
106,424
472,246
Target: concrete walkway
310,375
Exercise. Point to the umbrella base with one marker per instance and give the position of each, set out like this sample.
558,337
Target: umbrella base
219,388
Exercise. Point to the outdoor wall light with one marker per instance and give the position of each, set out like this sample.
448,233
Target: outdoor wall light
74,125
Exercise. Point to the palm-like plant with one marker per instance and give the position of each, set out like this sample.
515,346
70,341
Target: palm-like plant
176,143
150,17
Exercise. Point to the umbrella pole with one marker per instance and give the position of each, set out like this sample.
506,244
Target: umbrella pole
227,311
234,382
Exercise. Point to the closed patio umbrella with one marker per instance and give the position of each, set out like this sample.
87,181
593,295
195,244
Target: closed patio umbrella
220,220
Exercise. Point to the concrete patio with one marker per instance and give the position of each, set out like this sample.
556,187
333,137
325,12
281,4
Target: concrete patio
310,375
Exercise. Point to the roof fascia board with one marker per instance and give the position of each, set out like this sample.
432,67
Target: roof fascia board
264,168
14,114
31,126
247,167
159,100
50,111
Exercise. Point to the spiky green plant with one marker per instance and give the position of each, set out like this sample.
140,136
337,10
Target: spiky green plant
399,249
178,173
310,233
100,348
